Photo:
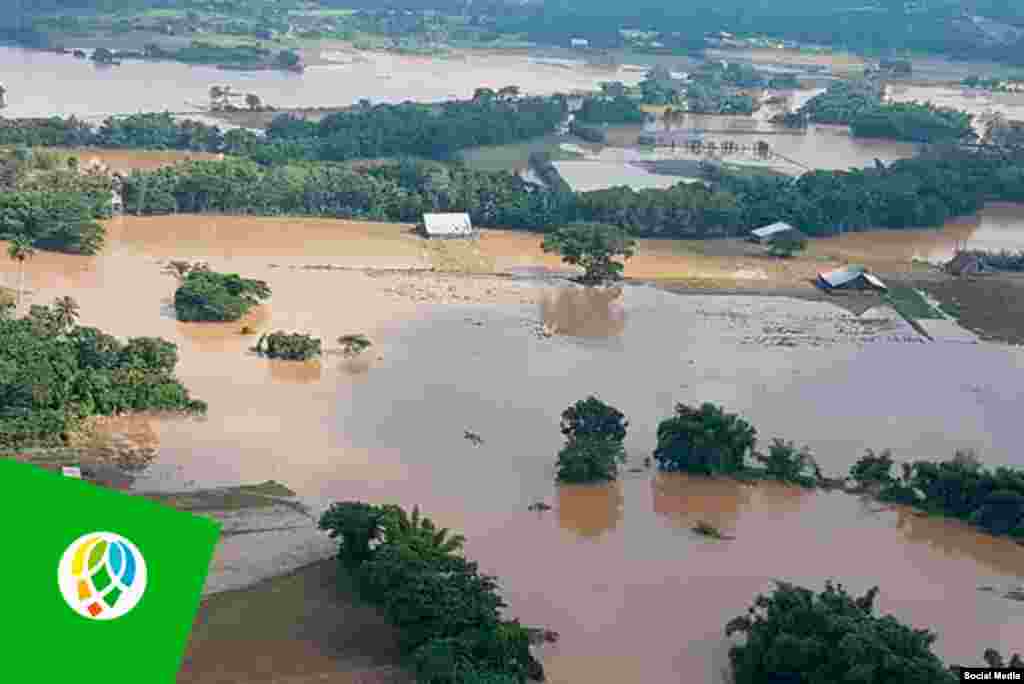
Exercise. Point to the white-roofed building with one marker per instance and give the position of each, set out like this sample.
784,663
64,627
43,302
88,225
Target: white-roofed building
447,226
767,233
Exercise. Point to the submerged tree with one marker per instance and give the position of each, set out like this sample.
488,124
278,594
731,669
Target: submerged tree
20,250
594,432
288,347
704,440
210,296
794,635
593,246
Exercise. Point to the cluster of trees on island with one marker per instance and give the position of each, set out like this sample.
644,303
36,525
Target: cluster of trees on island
54,373
860,105
707,440
448,613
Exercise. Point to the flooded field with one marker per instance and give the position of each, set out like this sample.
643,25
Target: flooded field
615,570
78,87
817,147
981,103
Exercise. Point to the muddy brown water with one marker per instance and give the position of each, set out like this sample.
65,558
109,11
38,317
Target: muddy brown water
635,595
73,86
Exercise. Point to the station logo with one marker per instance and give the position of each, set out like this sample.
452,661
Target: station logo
102,576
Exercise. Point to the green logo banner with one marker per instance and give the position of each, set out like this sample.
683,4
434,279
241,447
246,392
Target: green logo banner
98,586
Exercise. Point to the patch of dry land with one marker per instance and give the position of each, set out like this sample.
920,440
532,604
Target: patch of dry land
131,160
836,61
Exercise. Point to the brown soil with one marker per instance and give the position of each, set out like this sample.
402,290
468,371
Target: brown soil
303,627
130,160
991,306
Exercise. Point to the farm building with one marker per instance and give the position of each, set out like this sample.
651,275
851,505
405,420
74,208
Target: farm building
447,226
964,263
766,234
850,278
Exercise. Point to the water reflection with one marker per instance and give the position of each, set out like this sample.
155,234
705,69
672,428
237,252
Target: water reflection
211,336
957,539
684,499
590,510
294,372
584,311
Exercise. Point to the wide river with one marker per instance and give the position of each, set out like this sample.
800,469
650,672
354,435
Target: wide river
44,83
615,569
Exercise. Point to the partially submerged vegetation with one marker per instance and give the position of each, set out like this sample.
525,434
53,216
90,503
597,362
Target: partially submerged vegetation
288,347
593,246
206,295
448,612
796,635
959,488
594,432
55,373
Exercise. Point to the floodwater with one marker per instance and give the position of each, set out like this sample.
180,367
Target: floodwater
614,569
817,147
999,226
981,103
79,87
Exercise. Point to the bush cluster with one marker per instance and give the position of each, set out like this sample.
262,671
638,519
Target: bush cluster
448,613
288,347
959,487
53,373
206,295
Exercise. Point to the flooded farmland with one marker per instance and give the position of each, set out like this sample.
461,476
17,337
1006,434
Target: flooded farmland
614,569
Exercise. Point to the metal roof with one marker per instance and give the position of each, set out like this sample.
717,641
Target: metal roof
771,230
842,276
447,224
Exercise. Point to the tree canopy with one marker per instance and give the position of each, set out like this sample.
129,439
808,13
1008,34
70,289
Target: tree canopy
448,612
210,296
593,246
795,635
53,373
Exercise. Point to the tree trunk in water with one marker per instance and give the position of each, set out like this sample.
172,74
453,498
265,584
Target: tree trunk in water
21,282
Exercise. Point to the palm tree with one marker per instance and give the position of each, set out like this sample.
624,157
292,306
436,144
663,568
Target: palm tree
19,250
65,310
419,532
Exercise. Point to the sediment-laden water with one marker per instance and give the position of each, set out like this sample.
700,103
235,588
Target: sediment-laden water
614,569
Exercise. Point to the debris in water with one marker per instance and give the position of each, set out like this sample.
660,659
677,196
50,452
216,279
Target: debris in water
708,530
474,438
539,506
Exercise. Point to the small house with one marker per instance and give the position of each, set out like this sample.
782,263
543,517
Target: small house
964,263
850,278
766,234
447,226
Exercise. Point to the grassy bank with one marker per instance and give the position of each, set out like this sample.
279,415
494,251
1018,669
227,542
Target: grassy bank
991,306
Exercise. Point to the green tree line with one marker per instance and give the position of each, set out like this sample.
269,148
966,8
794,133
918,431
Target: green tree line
54,373
448,613
909,193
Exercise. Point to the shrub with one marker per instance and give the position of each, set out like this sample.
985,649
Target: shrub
787,244
353,345
706,441
589,459
795,635
355,525
873,469
210,296
591,417
787,463
294,347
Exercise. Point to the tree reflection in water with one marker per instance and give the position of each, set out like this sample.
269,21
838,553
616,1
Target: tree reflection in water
590,510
